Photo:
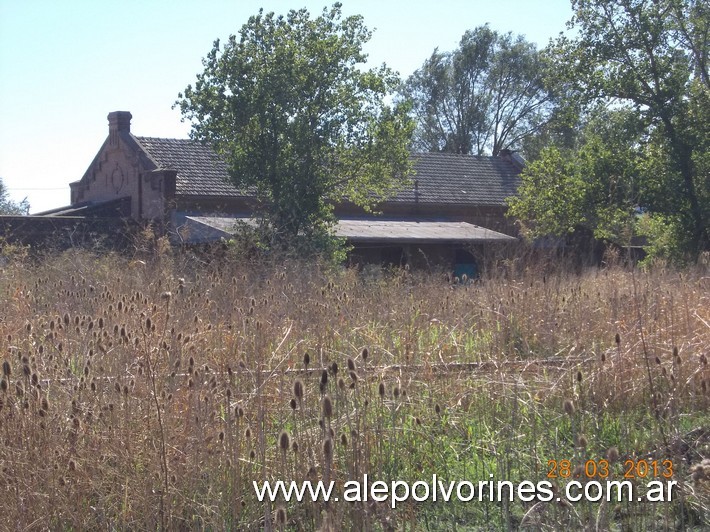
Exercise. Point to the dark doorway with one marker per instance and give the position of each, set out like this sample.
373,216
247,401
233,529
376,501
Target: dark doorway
465,264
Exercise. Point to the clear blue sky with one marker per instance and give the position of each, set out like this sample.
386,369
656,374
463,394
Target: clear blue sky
64,65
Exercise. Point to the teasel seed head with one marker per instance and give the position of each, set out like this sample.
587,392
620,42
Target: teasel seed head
324,378
328,449
351,364
306,359
617,339
579,376
281,516
612,455
284,441
569,407
293,404
364,354
334,368
6,368
327,407
298,389
437,409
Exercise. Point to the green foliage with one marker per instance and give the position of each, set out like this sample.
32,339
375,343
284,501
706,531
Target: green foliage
486,96
257,243
10,207
649,58
299,122
591,186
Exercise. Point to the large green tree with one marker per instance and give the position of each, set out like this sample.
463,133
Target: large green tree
299,120
648,58
485,96
589,183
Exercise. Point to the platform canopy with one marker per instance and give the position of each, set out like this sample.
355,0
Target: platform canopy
197,229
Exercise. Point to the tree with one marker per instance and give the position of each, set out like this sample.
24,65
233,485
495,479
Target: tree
486,96
592,186
296,118
649,57
10,207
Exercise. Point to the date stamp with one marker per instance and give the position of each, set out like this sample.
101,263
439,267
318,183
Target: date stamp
602,468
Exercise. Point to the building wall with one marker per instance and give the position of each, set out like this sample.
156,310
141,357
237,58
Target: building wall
122,169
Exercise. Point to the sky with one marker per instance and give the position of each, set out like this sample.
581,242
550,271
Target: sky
65,64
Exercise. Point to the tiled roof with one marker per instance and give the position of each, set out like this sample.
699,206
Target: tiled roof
461,179
440,177
200,172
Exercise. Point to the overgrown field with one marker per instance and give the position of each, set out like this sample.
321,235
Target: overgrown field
150,394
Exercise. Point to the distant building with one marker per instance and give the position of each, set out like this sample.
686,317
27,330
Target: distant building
456,204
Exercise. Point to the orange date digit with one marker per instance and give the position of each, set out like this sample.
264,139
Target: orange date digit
561,469
603,468
668,468
565,468
629,466
552,471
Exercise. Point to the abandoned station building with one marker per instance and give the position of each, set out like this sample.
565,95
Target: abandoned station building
454,209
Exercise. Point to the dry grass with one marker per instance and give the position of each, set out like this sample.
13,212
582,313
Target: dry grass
147,394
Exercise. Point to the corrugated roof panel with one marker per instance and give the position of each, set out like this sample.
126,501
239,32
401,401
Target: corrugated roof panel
401,231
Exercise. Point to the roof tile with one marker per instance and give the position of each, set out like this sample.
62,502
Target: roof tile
440,178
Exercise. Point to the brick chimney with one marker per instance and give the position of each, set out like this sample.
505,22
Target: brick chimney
512,157
118,122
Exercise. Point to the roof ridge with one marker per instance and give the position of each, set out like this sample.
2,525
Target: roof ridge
166,138
451,154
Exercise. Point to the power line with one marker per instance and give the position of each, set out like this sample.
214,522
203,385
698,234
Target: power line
30,188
